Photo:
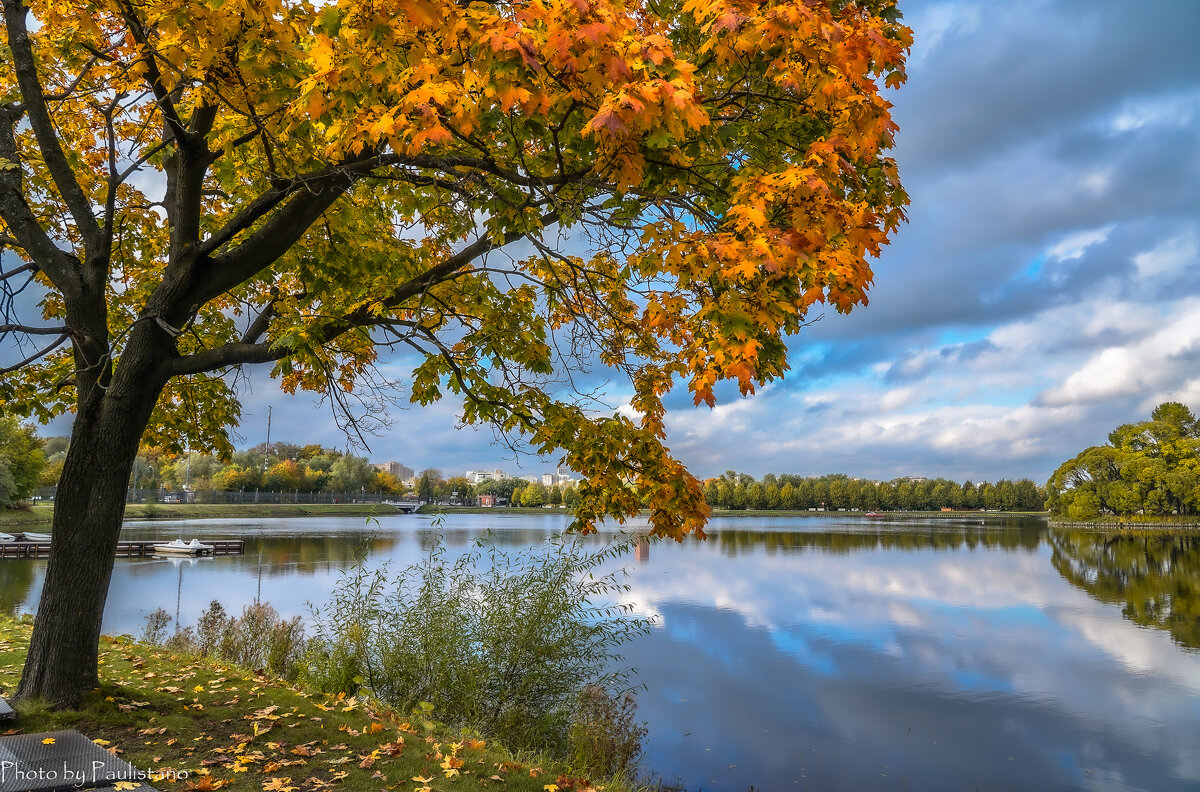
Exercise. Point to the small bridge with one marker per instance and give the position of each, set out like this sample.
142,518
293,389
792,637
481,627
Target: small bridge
408,507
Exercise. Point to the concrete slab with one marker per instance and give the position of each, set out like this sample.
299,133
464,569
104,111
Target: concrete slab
59,761
6,712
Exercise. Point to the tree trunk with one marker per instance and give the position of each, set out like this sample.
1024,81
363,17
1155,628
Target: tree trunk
88,510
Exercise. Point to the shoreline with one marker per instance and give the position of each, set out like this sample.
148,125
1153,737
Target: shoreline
1123,525
44,514
922,515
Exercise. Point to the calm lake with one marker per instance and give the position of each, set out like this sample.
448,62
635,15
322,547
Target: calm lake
830,653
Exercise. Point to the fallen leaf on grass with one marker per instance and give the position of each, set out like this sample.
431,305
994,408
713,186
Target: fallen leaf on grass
393,748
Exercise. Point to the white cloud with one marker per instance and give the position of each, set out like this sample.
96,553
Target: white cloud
1169,257
1073,245
1173,111
1144,367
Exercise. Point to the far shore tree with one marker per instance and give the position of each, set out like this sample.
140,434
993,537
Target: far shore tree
502,189
22,460
1150,468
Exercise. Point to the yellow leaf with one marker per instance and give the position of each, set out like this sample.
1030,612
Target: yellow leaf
48,741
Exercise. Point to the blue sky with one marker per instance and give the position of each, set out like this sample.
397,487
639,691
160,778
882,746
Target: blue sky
1044,291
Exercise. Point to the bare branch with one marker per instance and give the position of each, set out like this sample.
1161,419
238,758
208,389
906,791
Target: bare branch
36,355
13,273
65,93
19,328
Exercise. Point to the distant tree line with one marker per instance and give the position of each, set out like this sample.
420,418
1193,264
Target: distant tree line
1149,468
733,490
278,467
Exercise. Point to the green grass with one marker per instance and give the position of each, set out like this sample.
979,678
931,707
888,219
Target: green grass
226,727
23,518
1130,520
43,514
501,510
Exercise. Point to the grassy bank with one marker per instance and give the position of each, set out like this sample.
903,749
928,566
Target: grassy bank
1132,521
199,725
502,510
25,518
42,515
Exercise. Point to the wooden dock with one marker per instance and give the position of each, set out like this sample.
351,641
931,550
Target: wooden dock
124,549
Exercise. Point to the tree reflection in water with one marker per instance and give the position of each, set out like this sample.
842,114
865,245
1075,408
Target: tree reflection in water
16,580
1153,576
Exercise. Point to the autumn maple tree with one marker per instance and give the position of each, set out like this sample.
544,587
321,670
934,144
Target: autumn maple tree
504,188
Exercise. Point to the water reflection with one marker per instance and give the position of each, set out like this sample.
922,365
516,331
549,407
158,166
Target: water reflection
896,535
16,581
831,652
1154,577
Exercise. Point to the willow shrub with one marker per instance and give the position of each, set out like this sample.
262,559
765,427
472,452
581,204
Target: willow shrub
260,639
499,643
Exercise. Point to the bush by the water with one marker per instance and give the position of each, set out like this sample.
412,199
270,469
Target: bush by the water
503,644
606,737
259,639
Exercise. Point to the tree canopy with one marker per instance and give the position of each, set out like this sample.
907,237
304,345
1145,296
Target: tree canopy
504,189
1146,468
21,460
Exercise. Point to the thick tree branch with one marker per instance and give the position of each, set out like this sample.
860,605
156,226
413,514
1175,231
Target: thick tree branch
269,241
259,326
61,267
14,273
43,127
225,356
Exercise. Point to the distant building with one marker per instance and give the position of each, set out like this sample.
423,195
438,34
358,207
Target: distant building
401,472
480,476
561,476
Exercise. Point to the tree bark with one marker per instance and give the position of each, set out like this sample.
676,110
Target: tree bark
61,665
